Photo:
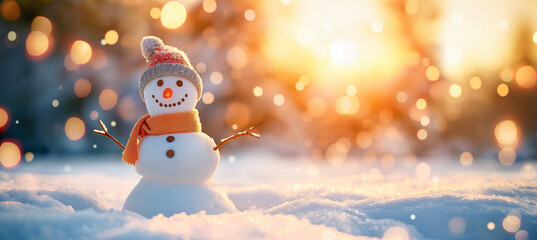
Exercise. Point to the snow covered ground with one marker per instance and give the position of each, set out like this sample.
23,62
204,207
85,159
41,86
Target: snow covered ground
278,198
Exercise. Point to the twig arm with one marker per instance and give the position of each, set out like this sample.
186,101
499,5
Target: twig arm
240,134
105,133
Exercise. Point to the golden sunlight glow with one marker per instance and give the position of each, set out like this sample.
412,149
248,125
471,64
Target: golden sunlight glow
432,73
343,52
238,114
421,104
155,13
317,107
535,37
107,99
111,37
74,128
10,154
80,52
347,105
506,133
82,88
411,7
526,77
475,82
502,89
396,233
466,159
455,90
453,54
207,98
511,223
507,156
4,117
209,6
42,24
36,43
173,15
377,27
278,99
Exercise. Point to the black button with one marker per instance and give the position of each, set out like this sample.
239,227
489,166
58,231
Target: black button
170,153
170,138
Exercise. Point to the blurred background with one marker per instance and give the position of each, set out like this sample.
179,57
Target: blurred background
346,80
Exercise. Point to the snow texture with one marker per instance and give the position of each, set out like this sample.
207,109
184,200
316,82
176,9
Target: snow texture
276,199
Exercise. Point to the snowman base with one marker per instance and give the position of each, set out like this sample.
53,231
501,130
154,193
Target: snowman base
152,197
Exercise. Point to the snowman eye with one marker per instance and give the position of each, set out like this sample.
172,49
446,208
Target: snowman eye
160,82
179,83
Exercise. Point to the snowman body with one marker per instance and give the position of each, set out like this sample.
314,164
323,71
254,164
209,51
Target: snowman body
176,168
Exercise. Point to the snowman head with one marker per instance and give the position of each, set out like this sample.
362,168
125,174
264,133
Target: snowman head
170,94
170,84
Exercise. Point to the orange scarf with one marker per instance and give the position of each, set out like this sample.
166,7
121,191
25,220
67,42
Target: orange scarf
163,124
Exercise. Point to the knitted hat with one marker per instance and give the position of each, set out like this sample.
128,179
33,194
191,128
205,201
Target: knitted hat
166,60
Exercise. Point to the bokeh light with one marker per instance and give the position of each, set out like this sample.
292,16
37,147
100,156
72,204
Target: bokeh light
173,15
422,134
506,133
528,171
4,117
249,15
107,99
258,91
455,90
347,105
502,90
475,82
42,24
154,13
522,235
421,104
507,156
432,73
511,223
82,88
526,77
10,154
396,233
111,37
423,170
457,225
36,44
207,98
74,128
466,158
278,99
80,52
491,226
216,78
209,6
237,57
10,10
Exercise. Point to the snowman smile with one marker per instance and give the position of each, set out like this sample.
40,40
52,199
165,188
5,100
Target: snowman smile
167,104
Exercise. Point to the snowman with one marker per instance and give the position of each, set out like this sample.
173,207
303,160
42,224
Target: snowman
175,159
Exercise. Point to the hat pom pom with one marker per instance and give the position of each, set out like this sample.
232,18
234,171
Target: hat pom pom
149,45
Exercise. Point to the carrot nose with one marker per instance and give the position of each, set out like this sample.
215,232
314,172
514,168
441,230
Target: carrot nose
168,93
